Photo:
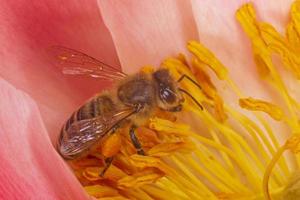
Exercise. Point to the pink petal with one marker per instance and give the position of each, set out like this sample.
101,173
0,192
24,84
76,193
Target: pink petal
30,167
220,32
145,32
28,28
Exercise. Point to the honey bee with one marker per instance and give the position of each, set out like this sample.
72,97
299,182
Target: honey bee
132,101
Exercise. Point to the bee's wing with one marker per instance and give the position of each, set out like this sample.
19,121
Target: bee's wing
78,63
81,135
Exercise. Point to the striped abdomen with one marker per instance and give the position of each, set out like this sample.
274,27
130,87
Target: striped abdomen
93,108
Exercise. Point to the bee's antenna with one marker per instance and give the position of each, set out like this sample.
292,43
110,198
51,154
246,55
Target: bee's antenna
190,79
195,101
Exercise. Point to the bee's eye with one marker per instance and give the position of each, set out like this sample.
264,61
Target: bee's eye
167,95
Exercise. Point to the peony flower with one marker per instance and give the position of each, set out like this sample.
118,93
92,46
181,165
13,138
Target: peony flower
240,143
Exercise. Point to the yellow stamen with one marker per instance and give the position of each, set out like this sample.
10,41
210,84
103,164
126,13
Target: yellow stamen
101,191
256,31
166,149
209,90
168,126
139,179
207,57
293,28
268,171
293,143
258,105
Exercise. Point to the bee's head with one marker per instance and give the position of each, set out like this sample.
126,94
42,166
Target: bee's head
168,96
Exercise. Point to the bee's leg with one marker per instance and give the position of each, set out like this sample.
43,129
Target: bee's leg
108,162
135,141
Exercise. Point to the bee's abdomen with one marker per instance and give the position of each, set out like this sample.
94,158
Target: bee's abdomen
93,108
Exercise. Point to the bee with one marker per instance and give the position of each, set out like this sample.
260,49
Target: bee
132,101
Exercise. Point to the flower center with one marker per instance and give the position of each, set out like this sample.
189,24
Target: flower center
215,151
